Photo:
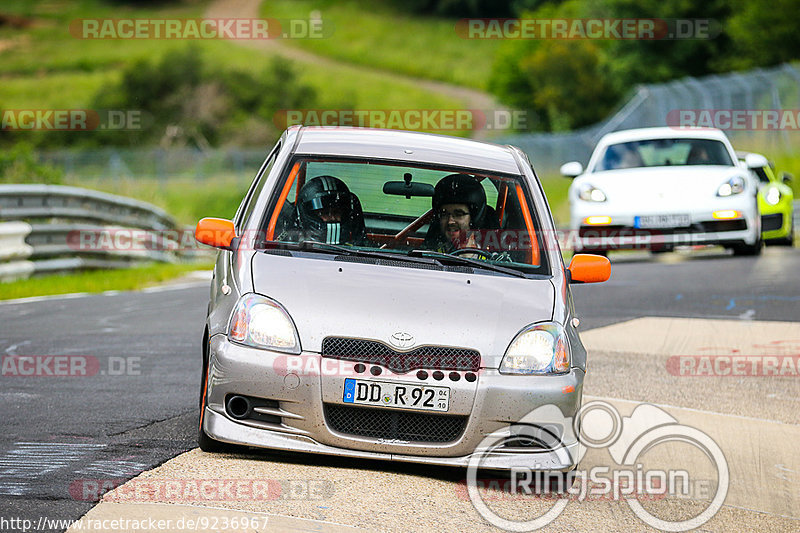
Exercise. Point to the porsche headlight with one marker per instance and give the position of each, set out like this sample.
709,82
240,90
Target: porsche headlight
259,322
735,185
538,349
773,196
589,193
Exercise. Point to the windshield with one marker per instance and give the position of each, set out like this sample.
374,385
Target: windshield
408,212
664,152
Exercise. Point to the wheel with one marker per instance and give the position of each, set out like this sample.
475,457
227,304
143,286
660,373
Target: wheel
206,443
748,249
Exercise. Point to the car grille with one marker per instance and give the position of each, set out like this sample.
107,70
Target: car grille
367,351
771,222
390,424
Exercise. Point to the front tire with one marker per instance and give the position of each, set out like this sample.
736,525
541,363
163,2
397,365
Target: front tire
749,249
206,443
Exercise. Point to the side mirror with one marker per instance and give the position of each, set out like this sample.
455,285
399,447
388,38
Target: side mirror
571,169
787,178
754,161
216,232
588,268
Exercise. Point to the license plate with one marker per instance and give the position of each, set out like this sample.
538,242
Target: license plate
398,395
662,221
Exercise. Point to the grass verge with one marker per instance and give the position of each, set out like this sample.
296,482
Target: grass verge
377,35
44,67
98,280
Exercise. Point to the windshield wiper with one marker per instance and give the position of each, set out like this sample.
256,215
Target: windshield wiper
447,258
324,247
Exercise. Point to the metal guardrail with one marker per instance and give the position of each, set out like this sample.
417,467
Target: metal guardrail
50,228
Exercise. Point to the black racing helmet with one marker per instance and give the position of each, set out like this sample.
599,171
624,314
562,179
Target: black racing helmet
328,192
461,189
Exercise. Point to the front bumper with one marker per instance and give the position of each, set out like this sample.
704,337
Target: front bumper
622,232
298,394
775,225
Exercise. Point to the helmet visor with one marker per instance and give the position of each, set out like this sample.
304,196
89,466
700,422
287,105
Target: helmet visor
337,201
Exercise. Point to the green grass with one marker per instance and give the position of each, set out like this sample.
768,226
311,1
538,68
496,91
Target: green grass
375,34
45,67
555,188
98,280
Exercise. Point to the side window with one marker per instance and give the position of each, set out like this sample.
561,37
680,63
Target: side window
762,175
249,202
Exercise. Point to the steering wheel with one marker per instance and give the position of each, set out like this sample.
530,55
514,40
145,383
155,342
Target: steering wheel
464,251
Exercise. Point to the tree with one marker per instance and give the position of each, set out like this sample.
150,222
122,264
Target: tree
763,33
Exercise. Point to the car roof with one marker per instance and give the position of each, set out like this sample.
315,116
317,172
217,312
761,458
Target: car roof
415,147
663,133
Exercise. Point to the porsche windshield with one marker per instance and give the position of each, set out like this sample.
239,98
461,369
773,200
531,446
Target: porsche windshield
408,211
664,152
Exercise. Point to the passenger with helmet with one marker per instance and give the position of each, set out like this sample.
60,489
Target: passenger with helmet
459,206
328,212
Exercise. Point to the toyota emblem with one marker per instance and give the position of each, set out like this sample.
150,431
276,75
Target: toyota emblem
401,339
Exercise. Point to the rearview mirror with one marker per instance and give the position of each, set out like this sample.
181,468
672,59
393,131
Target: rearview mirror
407,188
216,232
588,268
571,169
754,161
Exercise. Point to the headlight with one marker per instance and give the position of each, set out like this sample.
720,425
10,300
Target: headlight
735,185
773,196
589,193
261,323
538,349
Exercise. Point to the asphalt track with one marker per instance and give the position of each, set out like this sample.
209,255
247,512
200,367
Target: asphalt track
63,438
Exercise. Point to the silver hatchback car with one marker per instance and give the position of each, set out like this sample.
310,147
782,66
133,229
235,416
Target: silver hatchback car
391,295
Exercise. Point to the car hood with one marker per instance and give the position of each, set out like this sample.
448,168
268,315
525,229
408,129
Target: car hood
660,183
347,299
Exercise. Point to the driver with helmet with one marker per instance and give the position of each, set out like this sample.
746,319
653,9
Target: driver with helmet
459,205
328,212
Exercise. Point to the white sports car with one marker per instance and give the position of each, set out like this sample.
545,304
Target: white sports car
657,188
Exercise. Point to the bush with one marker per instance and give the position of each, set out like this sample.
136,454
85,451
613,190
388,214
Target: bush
18,165
185,102
563,84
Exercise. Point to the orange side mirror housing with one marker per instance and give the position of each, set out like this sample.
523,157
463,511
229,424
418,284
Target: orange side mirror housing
216,232
589,268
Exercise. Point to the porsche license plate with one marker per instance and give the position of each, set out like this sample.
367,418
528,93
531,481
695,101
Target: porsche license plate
662,221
